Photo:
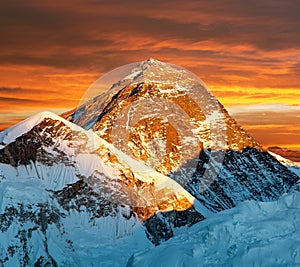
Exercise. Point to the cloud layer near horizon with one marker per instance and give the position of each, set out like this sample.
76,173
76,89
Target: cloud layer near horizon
247,52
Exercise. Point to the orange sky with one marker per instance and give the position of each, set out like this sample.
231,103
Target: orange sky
247,52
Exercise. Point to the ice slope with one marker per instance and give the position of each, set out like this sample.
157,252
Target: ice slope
36,229
251,234
67,161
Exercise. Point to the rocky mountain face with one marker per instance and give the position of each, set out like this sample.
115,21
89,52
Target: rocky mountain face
126,171
228,166
153,92
244,175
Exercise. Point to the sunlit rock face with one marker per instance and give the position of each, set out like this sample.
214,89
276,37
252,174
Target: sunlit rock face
164,116
161,102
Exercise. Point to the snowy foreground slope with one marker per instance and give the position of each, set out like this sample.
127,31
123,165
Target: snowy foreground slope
36,231
251,234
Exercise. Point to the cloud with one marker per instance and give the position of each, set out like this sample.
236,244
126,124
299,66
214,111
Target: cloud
246,43
29,102
267,26
270,124
20,90
275,115
284,135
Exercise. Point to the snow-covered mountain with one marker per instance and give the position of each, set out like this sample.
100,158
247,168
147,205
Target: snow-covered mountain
126,171
146,105
59,180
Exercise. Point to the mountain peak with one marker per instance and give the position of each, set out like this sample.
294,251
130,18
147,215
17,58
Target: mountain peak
149,70
152,60
163,116
9,135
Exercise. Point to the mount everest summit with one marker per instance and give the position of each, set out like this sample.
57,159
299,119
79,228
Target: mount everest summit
153,159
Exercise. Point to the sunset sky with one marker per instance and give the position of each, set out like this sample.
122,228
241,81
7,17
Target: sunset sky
246,51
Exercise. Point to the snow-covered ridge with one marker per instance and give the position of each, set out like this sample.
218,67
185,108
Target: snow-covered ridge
87,162
9,135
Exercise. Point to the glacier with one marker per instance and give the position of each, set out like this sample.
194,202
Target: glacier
251,234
